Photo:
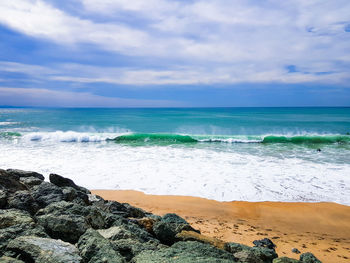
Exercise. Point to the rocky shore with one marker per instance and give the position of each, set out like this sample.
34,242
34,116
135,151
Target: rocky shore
58,221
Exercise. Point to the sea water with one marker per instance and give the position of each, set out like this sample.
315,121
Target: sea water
252,154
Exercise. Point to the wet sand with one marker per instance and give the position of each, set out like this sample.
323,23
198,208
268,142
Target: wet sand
320,228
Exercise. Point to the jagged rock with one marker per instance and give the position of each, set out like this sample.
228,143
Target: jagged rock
10,233
120,209
256,255
194,236
23,200
11,217
21,173
129,248
126,231
3,199
309,258
95,199
10,260
94,248
10,183
146,222
44,250
235,247
134,212
185,252
267,243
63,220
30,181
169,226
70,194
62,182
116,233
112,207
296,251
46,194
285,260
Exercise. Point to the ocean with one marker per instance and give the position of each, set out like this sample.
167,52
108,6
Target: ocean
226,154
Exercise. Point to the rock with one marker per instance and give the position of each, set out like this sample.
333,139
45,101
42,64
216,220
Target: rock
94,248
23,200
146,222
296,251
235,247
194,236
10,233
47,193
44,250
31,181
285,260
256,255
98,219
134,211
267,243
308,258
185,252
113,207
21,173
10,260
169,226
130,248
11,217
126,231
116,233
62,182
95,199
3,199
63,220
70,194
10,183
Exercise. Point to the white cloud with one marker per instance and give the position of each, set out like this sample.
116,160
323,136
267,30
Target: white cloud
55,98
137,78
223,41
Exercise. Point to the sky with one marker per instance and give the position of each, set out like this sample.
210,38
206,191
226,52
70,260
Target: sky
179,53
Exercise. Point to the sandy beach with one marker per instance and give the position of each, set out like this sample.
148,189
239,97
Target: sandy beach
320,228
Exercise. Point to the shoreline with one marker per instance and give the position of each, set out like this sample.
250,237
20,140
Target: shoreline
322,228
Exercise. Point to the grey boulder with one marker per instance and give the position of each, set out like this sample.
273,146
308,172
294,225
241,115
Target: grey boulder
44,250
94,248
185,252
169,226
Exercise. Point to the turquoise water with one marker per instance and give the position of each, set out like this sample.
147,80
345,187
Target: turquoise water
212,121
219,153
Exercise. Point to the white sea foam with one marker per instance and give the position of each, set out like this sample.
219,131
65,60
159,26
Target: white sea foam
180,170
69,136
7,123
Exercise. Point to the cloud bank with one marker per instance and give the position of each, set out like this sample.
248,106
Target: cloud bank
163,42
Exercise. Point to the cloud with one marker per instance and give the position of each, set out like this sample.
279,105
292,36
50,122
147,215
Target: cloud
138,78
54,98
210,42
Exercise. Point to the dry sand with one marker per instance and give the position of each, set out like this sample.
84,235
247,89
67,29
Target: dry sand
320,228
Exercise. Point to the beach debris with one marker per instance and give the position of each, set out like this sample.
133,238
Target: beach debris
58,221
